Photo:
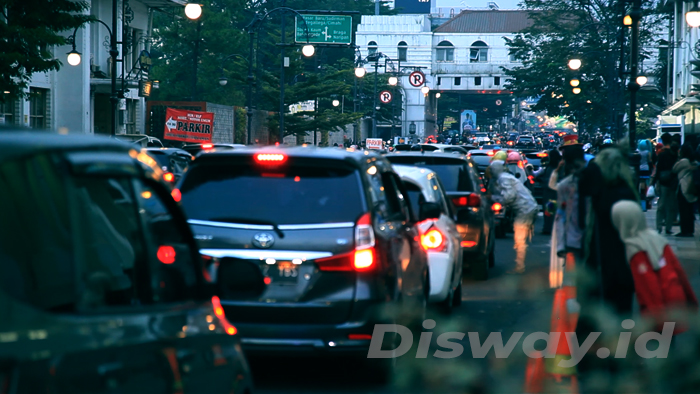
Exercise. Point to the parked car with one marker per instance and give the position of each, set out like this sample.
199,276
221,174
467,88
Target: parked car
143,140
474,217
172,161
194,149
438,232
101,283
333,234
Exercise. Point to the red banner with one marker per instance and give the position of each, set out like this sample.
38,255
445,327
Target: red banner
188,126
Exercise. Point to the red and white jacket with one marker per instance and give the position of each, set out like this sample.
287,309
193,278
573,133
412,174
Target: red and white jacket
664,290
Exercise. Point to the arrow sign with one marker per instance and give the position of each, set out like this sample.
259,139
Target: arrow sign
171,124
385,97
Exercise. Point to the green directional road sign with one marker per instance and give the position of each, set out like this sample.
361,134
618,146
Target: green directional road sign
325,29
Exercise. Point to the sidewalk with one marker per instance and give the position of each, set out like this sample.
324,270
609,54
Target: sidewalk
687,249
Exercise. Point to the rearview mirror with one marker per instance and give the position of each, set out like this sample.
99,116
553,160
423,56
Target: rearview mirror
239,279
430,210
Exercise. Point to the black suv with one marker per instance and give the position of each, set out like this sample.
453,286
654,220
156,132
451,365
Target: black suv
173,161
473,210
331,231
101,283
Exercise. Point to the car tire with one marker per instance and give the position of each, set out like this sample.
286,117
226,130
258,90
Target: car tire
457,296
480,268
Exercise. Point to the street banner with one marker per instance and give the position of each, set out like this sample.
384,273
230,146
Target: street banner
468,118
188,126
373,143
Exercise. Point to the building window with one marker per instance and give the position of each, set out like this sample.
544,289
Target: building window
445,52
458,81
37,108
477,81
496,81
439,81
479,52
452,12
371,48
130,117
403,51
8,112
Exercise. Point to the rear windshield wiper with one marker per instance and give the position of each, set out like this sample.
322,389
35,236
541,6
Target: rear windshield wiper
251,221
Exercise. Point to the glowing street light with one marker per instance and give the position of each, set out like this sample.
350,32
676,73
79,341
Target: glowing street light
336,103
425,90
692,17
575,82
575,64
642,80
392,80
577,90
308,50
193,11
360,72
74,57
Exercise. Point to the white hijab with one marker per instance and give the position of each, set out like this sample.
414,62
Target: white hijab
629,220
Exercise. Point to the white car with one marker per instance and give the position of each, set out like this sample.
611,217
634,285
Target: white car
439,235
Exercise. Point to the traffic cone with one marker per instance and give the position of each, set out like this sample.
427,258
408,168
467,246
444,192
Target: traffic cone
534,374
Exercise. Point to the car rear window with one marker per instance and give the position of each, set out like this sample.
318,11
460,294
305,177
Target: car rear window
415,196
300,195
161,158
454,174
481,160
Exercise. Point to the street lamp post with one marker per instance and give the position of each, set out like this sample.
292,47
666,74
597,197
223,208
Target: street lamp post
634,85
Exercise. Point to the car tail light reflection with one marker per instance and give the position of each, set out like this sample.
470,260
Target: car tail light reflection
542,154
496,206
360,337
473,200
491,153
168,177
432,240
166,254
532,179
177,196
219,312
468,244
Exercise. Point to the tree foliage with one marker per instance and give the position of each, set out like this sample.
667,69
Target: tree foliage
28,32
222,32
590,30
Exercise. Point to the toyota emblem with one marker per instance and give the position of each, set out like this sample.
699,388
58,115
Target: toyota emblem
263,240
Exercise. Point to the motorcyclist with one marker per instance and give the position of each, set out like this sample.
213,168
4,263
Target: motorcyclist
517,197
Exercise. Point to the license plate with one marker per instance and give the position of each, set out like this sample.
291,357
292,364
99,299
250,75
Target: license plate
283,272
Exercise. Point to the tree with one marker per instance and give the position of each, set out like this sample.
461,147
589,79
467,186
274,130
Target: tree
28,32
591,31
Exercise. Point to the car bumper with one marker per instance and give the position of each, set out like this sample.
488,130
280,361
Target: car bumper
440,265
470,235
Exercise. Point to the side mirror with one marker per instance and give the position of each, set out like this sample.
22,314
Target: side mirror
238,279
429,210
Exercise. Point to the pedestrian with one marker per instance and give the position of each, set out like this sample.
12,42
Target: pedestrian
569,231
514,195
645,168
665,183
686,193
549,195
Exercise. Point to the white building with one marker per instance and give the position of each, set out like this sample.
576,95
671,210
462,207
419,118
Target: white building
77,98
464,54
684,75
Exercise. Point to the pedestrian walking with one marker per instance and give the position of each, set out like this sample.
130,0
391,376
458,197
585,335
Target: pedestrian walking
686,193
549,195
514,195
665,183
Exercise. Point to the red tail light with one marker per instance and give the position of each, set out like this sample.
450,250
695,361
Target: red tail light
532,179
496,206
360,337
219,312
432,240
468,244
473,200
166,254
177,196
168,177
490,153
207,146
520,164
363,258
542,154
270,158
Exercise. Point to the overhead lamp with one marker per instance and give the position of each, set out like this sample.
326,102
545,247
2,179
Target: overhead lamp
393,80
692,17
223,81
575,64
74,57
193,11
627,20
308,50
575,82
642,80
336,103
437,95
360,72
425,90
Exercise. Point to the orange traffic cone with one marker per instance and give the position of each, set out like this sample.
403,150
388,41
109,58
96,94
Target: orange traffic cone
534,375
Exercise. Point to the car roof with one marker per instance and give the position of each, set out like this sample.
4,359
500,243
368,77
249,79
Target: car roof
16,145
418,175
169,151
428,153
351,155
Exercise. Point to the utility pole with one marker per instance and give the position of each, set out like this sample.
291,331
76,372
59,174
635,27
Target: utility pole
113,52
249,110
196,61
633,86
282,109
376,7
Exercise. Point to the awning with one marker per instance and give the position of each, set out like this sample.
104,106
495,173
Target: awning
683,105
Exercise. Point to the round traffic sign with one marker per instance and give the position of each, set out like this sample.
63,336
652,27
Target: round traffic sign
416,79
385,96
499,102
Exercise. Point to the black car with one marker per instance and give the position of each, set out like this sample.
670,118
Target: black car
473,210
331,231
101,282
537,159
173,161
482,159
526,141
195,149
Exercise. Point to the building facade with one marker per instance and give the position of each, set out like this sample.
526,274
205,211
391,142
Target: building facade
77,98
465,54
